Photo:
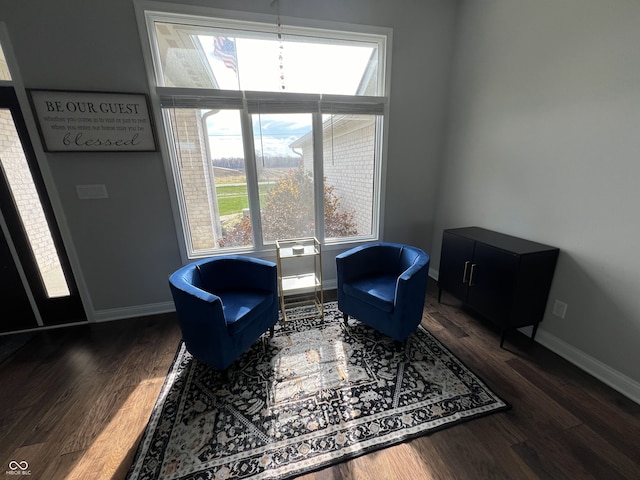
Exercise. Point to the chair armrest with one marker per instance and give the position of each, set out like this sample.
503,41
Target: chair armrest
412,283
188,295
421,263
194,303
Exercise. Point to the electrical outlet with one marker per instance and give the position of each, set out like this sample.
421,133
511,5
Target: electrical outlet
559,309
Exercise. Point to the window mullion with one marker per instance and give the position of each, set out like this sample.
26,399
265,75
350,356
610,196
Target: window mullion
214,207
318,175
252,177
380,172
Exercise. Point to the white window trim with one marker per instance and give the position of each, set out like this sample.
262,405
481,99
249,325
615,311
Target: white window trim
148,11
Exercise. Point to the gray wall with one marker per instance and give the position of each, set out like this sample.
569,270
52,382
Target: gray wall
543,143
126,246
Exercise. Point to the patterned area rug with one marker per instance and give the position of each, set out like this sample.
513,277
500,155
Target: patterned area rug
315,394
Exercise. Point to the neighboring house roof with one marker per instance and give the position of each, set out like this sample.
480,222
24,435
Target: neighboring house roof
341,125
368,82
347,122
186,61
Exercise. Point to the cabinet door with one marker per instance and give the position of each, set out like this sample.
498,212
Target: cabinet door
455,264
492,282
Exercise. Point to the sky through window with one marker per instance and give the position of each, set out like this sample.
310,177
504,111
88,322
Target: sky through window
307,67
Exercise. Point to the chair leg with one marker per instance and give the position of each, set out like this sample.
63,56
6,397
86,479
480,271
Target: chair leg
407,349
345,318
271,331
404,347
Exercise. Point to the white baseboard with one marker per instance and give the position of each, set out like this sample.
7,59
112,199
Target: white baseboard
130,312
609,376
433,273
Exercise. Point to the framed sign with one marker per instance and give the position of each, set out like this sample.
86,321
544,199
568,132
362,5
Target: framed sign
74,121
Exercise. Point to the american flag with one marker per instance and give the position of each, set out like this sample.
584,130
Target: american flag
225,49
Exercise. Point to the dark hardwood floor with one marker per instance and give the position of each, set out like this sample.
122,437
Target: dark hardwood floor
74,403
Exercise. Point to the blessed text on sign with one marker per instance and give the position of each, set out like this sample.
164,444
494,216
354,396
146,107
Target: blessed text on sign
93,121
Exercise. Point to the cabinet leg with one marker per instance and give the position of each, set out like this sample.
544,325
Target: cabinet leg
502,337
534,331
439,295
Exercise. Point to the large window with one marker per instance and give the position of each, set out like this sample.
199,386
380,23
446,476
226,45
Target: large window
274,131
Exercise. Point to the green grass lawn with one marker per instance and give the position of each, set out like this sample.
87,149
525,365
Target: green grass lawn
233,198
229,205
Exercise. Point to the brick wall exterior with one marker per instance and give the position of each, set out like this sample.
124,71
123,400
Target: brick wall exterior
4,69
349,167
19,177
190,140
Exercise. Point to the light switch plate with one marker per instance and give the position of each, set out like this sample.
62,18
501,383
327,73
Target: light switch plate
86,192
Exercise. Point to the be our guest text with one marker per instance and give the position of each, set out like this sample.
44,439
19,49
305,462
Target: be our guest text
90,107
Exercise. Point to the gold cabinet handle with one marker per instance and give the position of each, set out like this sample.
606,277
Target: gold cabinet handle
464,274
473,269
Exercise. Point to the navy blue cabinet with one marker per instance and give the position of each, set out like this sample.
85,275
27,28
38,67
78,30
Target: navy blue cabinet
505,279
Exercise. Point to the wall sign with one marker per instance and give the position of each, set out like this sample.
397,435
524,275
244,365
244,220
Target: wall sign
93,121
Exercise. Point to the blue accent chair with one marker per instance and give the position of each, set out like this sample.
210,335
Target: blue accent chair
224,304
383,285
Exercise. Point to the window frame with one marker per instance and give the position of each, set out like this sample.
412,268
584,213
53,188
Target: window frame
150,12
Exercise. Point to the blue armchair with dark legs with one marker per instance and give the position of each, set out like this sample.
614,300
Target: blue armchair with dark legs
383,285
224,304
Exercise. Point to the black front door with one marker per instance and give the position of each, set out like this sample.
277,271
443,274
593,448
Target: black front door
36,280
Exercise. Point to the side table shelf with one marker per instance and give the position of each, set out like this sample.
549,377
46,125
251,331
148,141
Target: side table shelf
299,275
